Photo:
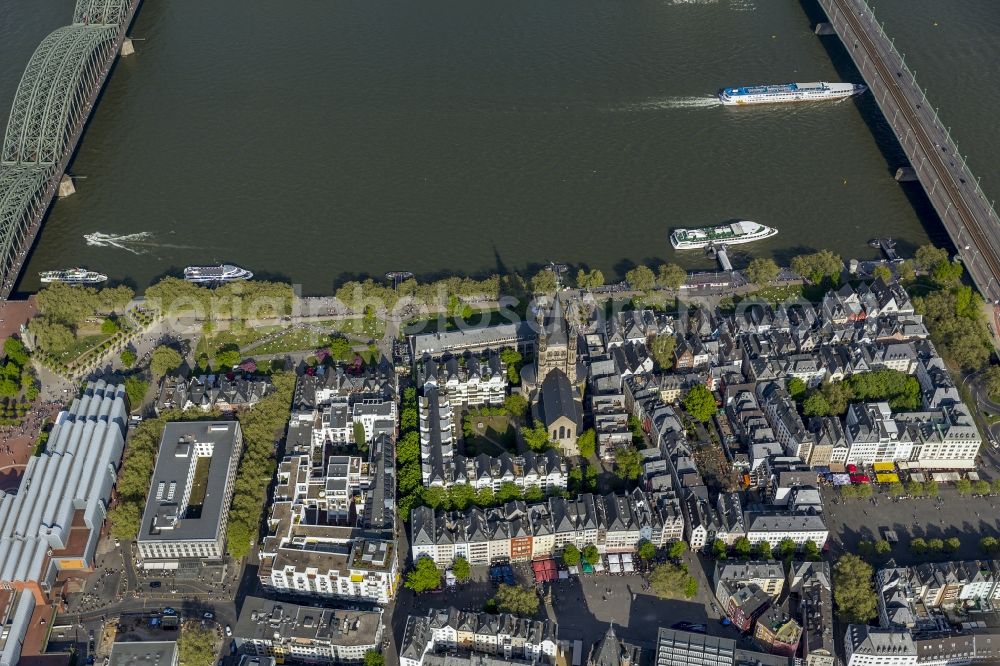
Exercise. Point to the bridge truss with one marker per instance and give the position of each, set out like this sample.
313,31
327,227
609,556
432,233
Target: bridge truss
51,105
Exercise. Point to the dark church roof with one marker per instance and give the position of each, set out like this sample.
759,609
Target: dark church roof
609,651
557,398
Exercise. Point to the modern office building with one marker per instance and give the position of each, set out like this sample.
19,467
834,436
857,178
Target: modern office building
683,648
187,510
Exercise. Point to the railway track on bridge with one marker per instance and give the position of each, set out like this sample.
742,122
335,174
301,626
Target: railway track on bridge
980,239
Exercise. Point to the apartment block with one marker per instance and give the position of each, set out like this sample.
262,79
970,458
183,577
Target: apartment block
451,631
305,634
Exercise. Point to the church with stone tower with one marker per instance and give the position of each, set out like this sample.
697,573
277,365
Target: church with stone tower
556,346
552,381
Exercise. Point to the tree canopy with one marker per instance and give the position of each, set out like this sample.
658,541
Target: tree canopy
15,351
165,360
762,271
928,255
671,276
991,381
228,356
818,266
628,463
700,403
587,443
135,389
374,658
127,357
672,581
830,399
570,555
516,600
589,279
461,569
955,320
516,405
134,477
544,282
71,304
641,278
947,273
662,350
424,576
513,360
537,438
853,591
196,646
882,272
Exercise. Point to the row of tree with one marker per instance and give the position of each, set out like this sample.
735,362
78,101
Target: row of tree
262,427
921,546
743,549
408,473
135,474
15,374
667,276
236,301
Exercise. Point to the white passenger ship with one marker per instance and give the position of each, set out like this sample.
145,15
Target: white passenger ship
735,233
789,92
216,274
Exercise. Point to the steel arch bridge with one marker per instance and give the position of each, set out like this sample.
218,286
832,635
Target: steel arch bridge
51,105
54,90
23,197
101,12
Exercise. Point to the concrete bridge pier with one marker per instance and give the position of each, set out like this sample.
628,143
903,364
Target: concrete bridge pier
906,175
127,47
825,29
66,186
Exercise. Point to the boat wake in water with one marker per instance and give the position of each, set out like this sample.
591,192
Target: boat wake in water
138,243
125,242
665,103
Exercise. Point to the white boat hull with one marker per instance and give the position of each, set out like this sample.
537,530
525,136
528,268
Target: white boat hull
699,239
829,92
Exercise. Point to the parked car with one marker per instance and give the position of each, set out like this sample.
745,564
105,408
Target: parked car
229,631
154,584
209,616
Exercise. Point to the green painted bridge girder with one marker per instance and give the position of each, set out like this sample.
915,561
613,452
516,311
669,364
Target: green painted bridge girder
53,93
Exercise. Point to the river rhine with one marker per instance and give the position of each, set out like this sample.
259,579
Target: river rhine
313,140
